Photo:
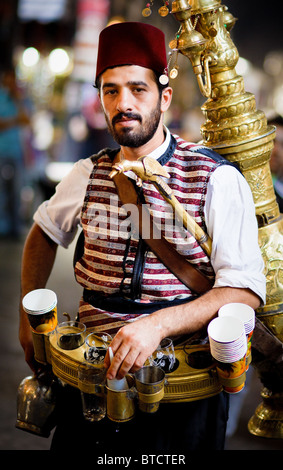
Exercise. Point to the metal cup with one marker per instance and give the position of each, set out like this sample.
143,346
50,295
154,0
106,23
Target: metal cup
150,387
120,403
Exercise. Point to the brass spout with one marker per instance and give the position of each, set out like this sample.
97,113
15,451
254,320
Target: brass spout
205,84
192,44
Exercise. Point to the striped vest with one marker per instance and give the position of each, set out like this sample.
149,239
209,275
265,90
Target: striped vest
120,275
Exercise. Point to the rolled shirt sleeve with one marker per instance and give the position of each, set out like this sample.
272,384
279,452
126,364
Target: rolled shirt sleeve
59,217
231,222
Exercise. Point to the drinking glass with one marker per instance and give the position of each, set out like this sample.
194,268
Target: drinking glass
97,344
91,382
164,355
70,334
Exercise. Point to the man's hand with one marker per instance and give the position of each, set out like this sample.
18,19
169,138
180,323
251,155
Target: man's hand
136,341
25,337
132,345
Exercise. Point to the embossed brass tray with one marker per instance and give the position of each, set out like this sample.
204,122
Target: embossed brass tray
194,378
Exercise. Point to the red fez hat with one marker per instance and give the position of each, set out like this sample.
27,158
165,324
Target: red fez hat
131,43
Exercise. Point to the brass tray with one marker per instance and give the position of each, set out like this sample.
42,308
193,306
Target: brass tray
187,382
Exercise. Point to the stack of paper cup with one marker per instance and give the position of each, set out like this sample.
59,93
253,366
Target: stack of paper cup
228,346
246,314
227,339
41,308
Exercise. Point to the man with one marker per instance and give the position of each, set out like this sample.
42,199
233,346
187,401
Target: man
127,290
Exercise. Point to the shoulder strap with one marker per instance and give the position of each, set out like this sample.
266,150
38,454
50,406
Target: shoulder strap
176,263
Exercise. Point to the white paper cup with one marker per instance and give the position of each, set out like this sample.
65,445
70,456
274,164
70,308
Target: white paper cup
41,307
228,346
227,339
225,330
243,312
247,315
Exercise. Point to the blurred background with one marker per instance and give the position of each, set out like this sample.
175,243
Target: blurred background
50,117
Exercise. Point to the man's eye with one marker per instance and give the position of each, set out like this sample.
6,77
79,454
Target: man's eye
110,92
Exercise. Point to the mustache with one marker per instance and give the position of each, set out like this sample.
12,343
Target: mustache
121,116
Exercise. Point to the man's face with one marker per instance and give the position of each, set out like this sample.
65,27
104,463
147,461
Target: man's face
131,104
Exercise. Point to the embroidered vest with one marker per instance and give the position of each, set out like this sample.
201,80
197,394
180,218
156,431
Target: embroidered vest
120,275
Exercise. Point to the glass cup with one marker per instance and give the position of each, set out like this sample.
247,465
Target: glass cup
91,382
164,356
96,344
70,334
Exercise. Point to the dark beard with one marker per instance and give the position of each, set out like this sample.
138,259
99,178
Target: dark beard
127,137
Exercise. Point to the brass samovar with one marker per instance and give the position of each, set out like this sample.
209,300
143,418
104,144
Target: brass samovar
238,131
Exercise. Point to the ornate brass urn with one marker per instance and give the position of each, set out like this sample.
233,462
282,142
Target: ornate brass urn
237,130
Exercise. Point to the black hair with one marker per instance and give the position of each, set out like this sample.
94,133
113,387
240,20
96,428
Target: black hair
160,87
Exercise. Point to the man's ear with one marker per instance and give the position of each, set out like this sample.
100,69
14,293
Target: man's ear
97,87
166,99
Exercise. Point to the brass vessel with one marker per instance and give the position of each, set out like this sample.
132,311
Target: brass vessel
36,404
268,418
237,130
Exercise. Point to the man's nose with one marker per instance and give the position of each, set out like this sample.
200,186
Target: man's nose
124,102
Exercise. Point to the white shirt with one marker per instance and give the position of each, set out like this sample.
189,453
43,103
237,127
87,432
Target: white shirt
229,215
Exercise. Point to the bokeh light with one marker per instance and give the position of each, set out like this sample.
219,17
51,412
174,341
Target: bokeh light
58,61
30,57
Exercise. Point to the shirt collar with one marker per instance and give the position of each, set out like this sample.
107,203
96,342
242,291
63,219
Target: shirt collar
159,151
